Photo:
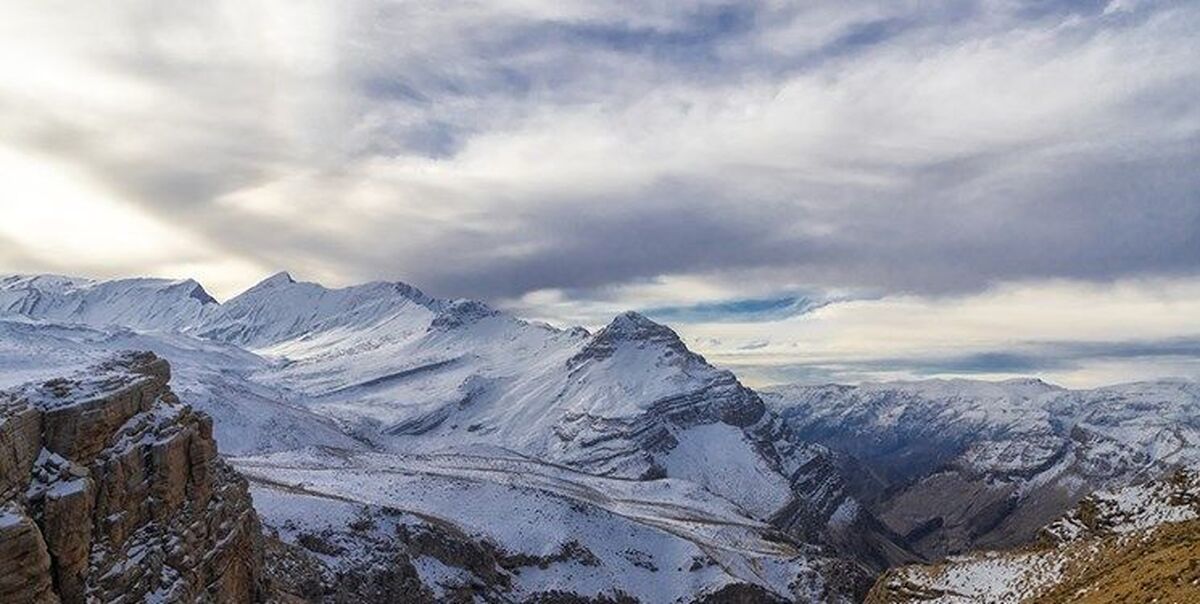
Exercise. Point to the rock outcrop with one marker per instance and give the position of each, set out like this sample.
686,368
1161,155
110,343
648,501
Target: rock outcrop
111,491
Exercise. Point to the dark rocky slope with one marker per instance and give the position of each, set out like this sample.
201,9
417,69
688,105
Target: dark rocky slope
1137,544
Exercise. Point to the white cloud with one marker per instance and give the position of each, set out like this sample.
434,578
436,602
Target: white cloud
909,336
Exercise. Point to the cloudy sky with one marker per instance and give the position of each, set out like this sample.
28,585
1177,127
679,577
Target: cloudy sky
808,191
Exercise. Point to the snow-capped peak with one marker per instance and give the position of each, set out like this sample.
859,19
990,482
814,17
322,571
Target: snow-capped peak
280,308
197,291
141,303
276,280
48,283
631,325
635,330
283,280
461,312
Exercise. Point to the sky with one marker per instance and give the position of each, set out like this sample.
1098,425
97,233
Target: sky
806,191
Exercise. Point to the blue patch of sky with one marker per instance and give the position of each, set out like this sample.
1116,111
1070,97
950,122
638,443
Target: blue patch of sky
693,40
743,310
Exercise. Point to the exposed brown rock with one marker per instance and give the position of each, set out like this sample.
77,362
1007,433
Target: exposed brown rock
20,441
113,492
24,561
67,528
740,593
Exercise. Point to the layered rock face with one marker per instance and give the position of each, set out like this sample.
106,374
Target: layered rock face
111,491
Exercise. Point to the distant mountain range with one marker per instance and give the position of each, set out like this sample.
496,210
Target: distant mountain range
601,466
956,465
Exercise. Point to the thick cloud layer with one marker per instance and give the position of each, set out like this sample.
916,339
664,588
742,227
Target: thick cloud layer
495,149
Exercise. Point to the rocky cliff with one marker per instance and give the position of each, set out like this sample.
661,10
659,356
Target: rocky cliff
111,491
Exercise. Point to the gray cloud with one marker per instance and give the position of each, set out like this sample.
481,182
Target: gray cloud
1025,358
1044,356
490,151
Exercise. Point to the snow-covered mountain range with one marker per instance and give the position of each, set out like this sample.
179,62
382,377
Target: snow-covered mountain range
365,383
615,464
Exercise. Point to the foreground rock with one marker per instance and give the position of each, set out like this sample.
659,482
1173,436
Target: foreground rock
111,491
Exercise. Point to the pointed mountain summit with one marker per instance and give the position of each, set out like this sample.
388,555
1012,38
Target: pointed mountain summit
197,291
278,279
632,325
634,329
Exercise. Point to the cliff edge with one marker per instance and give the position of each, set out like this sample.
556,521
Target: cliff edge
111,490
